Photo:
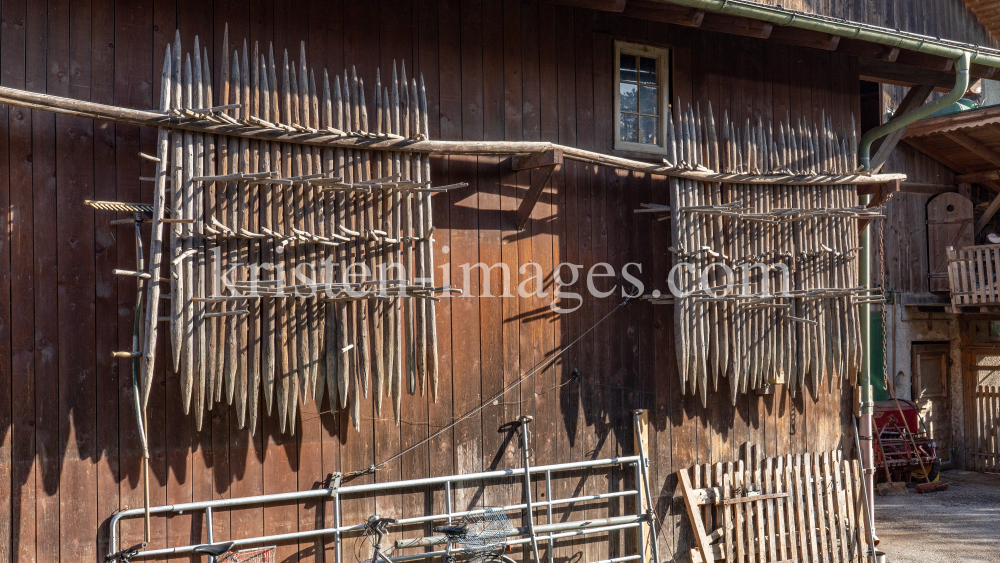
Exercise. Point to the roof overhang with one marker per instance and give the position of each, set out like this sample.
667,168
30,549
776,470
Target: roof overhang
968,142
885,55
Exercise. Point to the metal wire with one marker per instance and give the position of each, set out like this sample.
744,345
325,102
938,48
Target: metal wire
487,530
256,555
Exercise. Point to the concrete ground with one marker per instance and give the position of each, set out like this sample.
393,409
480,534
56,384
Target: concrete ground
961,524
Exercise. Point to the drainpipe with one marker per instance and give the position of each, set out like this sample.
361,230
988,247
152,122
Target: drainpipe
957,91
865,378
851,30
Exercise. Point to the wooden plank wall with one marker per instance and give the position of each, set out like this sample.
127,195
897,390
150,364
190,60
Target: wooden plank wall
515,70
948,19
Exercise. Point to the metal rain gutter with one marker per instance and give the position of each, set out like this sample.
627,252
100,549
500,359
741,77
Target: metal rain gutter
845,28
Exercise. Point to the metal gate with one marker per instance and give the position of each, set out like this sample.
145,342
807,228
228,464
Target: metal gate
539,524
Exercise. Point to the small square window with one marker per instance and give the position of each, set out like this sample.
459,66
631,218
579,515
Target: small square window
640,97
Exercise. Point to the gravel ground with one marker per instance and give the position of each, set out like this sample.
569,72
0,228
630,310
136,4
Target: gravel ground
961,524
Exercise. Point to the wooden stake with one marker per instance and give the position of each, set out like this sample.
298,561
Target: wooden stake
156,243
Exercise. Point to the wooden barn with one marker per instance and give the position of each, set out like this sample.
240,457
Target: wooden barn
577,78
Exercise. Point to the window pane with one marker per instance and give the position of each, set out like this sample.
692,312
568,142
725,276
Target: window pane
627,127
627,65
647,70
629,94
647,100
647,130
931,376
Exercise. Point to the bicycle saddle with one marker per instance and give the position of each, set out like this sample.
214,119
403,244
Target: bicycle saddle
452,530
214,549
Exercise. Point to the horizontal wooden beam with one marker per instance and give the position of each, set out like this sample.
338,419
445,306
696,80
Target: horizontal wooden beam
602,5
805,38
666,13
887,72
91,110
978,177
923,60
734,25
856,48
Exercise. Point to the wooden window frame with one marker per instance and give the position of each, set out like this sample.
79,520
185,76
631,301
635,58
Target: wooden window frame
929,350
662,56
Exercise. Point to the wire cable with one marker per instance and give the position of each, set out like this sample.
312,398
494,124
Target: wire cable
540,366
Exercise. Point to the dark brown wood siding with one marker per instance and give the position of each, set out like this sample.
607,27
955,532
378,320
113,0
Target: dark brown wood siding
69,451
947,19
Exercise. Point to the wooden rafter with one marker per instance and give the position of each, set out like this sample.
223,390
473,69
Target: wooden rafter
974,146
914,98
988,214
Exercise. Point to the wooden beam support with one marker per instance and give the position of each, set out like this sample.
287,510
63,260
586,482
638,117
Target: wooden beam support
932,62
914,98
737,26
666,13
887,72
879,195
546,162
988,214
979,177
856,48
601,5
537,159
805,38
974,146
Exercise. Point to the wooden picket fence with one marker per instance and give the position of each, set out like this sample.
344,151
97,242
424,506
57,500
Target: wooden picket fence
974,275
987,455
803,508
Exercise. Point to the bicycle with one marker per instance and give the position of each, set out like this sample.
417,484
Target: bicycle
482,534
222,552
460,534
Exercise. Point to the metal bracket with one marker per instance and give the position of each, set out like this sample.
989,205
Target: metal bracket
333,483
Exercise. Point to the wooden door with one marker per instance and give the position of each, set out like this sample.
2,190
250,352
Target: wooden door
983,412
949,223
929,390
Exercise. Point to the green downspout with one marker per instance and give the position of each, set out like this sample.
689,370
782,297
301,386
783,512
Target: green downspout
865,379
957,91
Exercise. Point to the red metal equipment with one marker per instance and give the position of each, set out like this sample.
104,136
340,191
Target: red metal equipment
893,447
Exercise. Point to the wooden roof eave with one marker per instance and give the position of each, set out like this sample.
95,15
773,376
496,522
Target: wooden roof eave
880,63
954,122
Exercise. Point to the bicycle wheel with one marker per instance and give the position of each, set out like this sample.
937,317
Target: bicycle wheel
489,558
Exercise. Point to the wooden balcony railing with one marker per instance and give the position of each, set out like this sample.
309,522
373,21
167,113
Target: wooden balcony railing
974,275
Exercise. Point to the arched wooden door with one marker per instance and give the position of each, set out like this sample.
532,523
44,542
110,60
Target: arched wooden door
949,223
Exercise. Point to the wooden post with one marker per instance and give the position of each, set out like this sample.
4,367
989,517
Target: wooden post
640,445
